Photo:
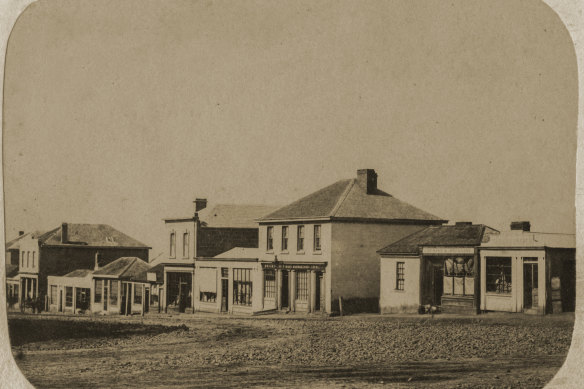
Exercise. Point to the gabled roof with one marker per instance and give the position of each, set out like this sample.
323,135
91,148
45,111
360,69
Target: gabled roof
99,235
452,235
130,268
240,252
234,215
346,199
15,243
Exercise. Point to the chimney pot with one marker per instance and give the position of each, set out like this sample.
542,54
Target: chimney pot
200,204
64,233
521,226
20,233
367,179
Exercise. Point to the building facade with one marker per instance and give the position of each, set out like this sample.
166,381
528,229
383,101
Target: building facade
67,248
319,252
530,272
209,232
435,267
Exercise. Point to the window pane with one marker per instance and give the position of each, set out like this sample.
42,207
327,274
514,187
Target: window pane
242,287
98,290
270,238
300,239
284,238
399,275
68,296
317,237
269,283
53,294
113,297
498,274
302,285
137,294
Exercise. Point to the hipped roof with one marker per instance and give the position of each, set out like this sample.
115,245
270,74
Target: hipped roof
127,268
346,199
452,235
99,235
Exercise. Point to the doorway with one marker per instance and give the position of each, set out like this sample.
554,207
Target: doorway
530,285
224,295
105,296
285,289
318,292
60,301
437,284
147,300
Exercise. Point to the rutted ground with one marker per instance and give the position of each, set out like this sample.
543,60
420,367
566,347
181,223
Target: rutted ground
192,350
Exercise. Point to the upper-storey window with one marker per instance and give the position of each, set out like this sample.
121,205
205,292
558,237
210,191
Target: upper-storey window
284,238
317,238
270,238
22,265
172,244
300,239
185,245
33,255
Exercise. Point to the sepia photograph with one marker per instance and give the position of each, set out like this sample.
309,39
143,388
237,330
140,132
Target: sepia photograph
215,194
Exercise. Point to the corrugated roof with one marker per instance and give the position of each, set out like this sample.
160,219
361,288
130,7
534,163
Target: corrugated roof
234,215
347,199
240,252
531,239
79,273
101,235
131,268
452,235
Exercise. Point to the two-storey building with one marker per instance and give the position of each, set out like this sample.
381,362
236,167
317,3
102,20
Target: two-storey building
67,248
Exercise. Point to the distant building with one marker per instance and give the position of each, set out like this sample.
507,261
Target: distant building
120,287
67,248
210,231
531,272
437,266
313,252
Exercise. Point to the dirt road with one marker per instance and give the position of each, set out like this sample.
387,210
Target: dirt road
357,351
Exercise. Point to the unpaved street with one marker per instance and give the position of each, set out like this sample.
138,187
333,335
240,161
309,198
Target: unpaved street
494,350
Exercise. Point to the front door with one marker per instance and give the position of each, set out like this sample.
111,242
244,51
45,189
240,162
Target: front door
60,301
530,285
437,284
105,298
147,300
285,289
224,295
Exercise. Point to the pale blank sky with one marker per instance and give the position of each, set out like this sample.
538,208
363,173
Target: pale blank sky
124,112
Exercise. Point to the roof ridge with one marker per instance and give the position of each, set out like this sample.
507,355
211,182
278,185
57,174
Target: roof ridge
128,266
343,197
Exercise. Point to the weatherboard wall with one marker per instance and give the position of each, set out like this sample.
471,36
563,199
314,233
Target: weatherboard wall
392,300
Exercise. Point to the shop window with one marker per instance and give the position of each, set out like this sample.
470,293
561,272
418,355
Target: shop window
137,294
53,294
269,283
302,285
242,287
98,291
113,297
82,298
459,276
68,296
208,297
317,238
498,274
300,239
399,275
207,284
270,238
284,238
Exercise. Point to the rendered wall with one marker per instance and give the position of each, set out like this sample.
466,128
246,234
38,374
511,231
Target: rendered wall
392,300
355,262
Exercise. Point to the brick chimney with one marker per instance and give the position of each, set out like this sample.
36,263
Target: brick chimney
521,226
200,204
64,233
97,258
20,233
367,179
